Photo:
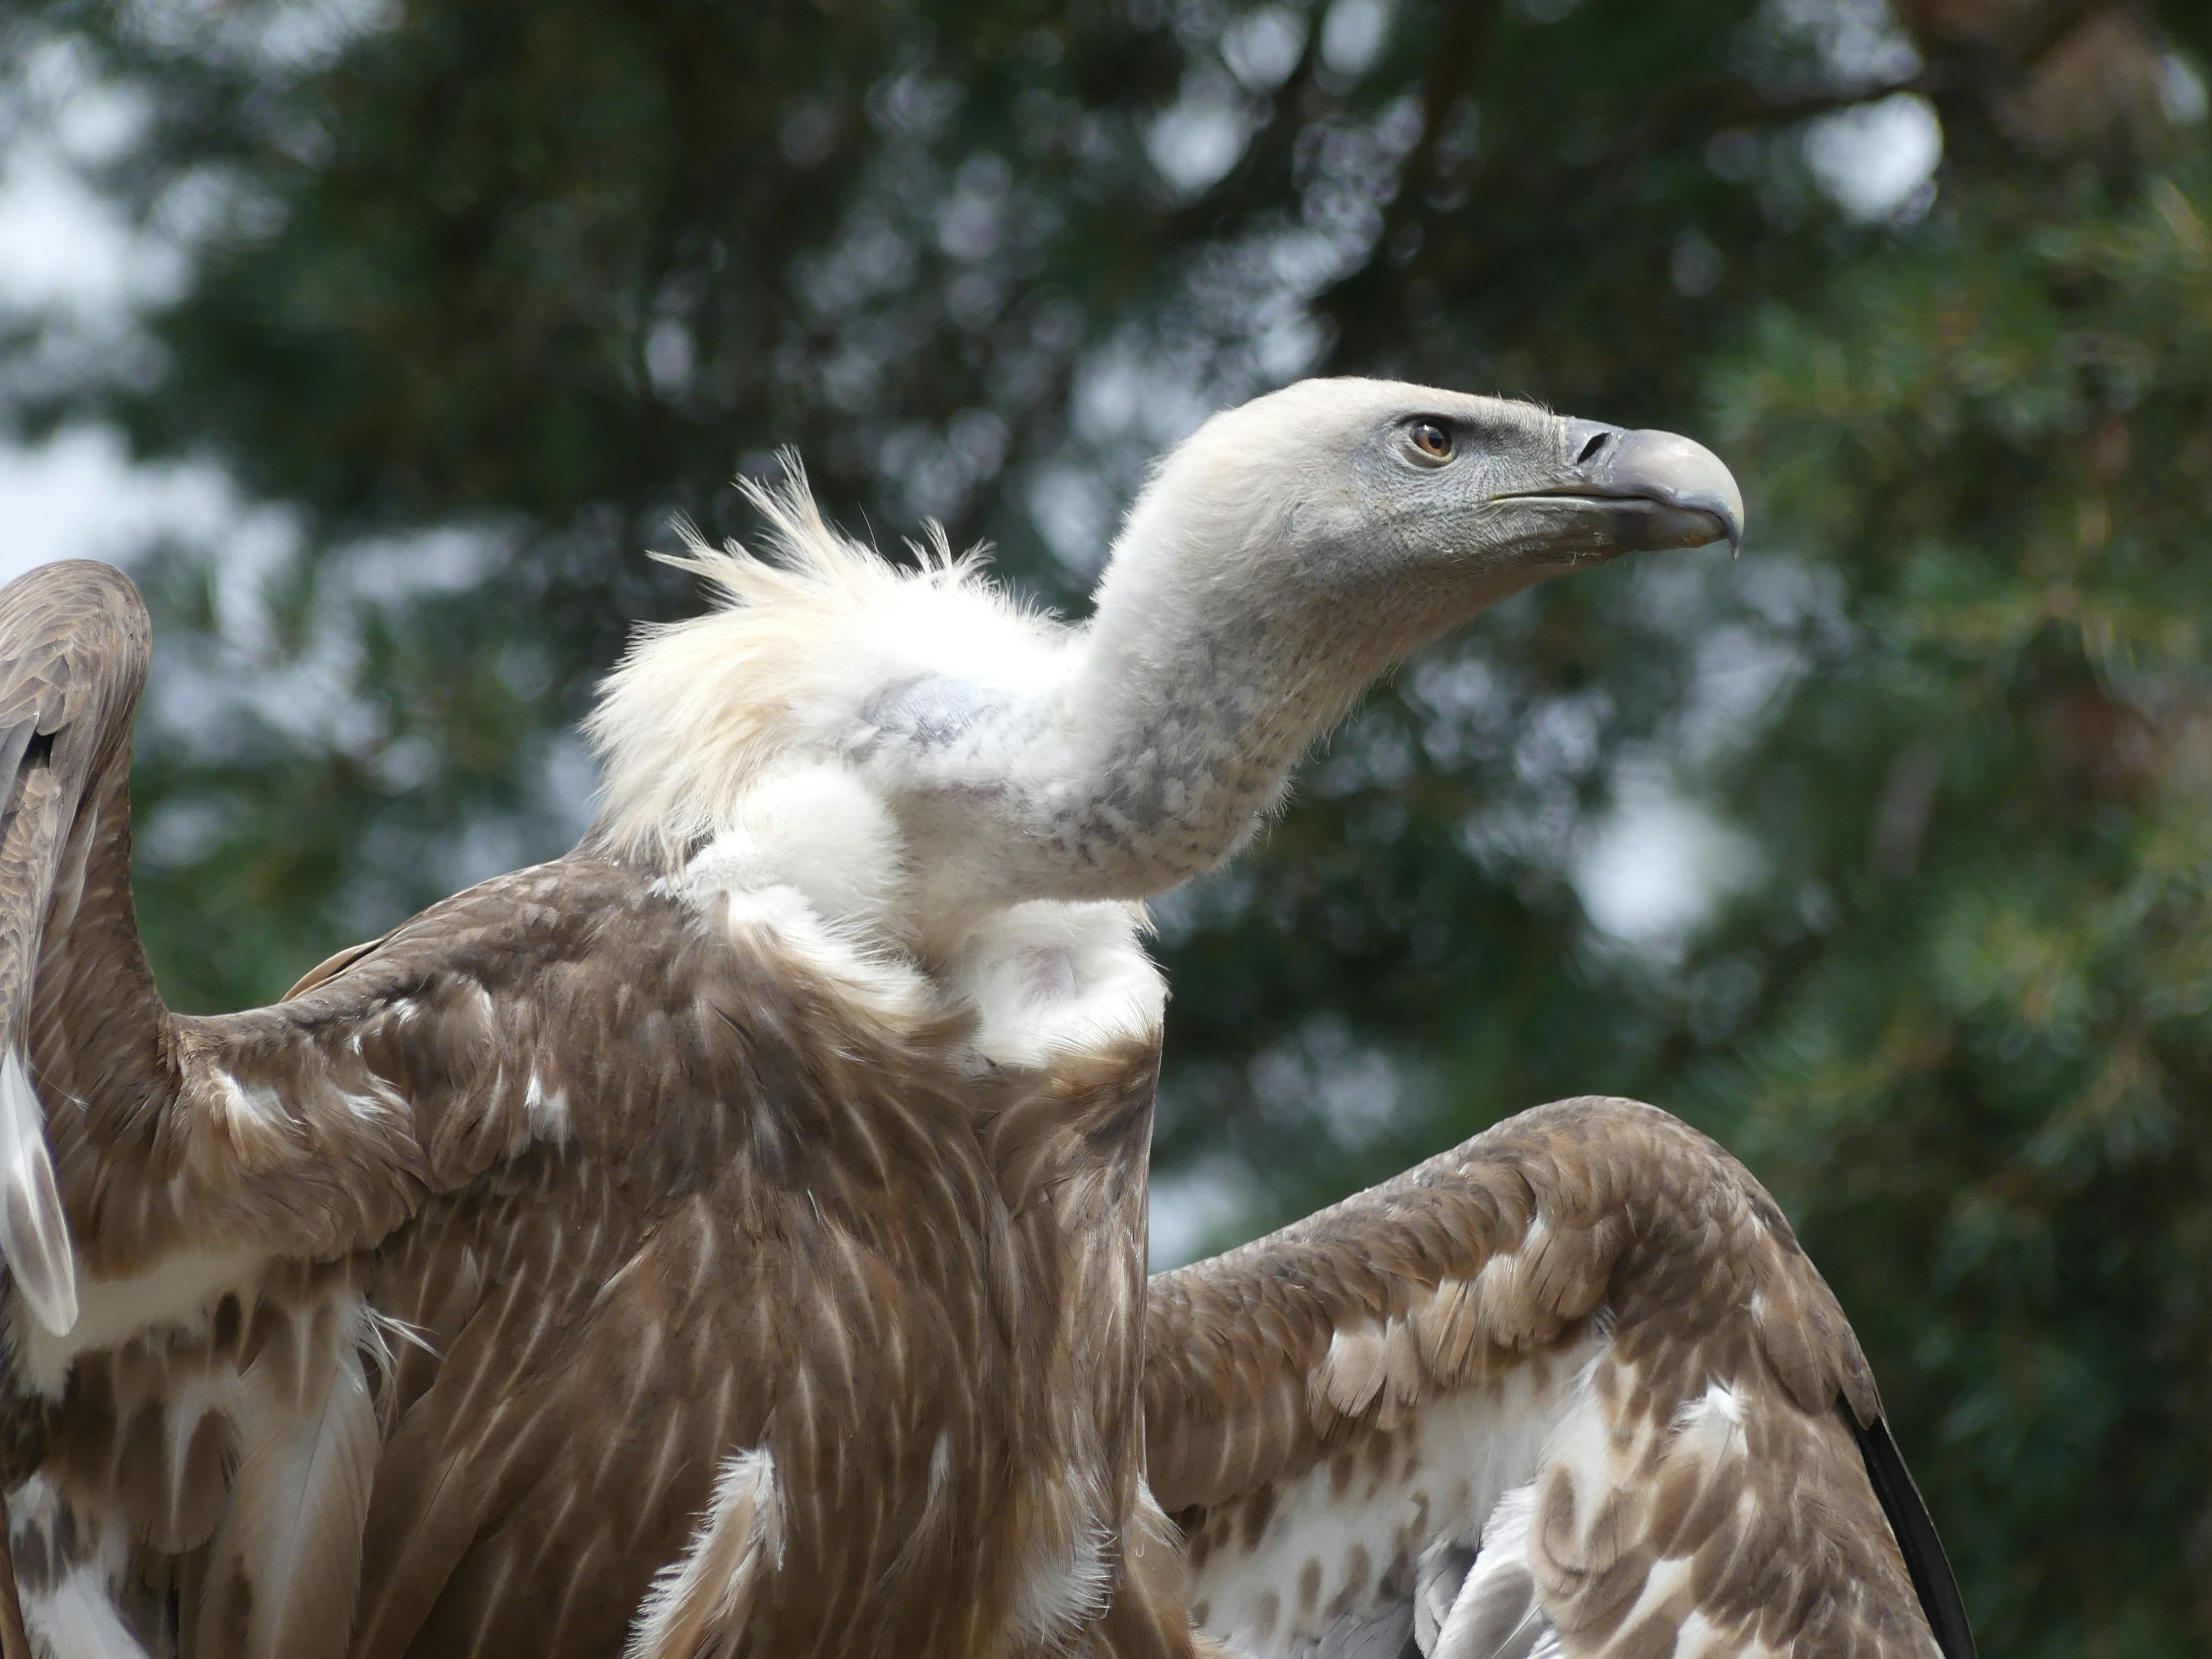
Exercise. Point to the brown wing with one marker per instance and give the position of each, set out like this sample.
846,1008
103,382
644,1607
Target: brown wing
1571,1388
74,643
192,1209
291,1130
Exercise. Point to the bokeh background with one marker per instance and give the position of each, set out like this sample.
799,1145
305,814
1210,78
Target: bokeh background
381,338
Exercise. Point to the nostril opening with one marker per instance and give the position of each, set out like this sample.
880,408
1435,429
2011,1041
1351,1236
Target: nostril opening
1592,449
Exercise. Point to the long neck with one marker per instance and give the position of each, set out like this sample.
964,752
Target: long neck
1182,707
1188,706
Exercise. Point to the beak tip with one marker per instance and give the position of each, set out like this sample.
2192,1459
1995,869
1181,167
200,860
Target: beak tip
1677,472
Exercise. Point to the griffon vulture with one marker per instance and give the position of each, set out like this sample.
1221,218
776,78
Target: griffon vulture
729,1238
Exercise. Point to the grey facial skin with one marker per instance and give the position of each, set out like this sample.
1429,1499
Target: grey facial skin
1523,496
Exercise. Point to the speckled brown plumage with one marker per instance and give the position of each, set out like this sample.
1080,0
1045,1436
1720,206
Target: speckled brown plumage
577,1269
1614,1265
623,1193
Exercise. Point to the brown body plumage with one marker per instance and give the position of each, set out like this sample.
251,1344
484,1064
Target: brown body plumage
700,1245
546,1329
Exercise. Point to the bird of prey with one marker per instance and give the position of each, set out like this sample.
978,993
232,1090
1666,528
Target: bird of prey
729,1238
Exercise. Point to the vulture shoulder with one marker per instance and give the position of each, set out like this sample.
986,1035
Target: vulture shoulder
1571,1389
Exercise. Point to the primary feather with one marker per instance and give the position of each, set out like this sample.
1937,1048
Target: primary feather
33,1233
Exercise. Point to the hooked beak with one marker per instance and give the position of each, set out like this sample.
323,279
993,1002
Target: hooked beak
1649,490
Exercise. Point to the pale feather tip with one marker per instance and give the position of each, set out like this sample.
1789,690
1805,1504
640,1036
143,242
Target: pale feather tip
34,1232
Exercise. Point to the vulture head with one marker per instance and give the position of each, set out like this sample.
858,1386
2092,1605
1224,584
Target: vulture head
1379,515
917,752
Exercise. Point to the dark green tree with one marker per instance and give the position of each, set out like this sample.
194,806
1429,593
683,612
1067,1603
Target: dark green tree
486,294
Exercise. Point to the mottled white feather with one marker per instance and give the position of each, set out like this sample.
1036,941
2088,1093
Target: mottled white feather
178,1292
1049,979
1463,1452
34,1232
69,1611
1497,1614
698,1604
286,1558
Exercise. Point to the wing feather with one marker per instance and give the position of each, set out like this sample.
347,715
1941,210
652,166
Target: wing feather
1497,1614
1569,1387
286,1559
1930,1568
74,645
34,1232
699,1603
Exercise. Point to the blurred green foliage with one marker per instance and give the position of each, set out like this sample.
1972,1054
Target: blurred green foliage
485,292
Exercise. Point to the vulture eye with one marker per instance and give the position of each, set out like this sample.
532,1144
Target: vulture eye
1431,441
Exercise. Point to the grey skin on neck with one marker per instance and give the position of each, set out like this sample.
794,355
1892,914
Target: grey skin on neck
1286,556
